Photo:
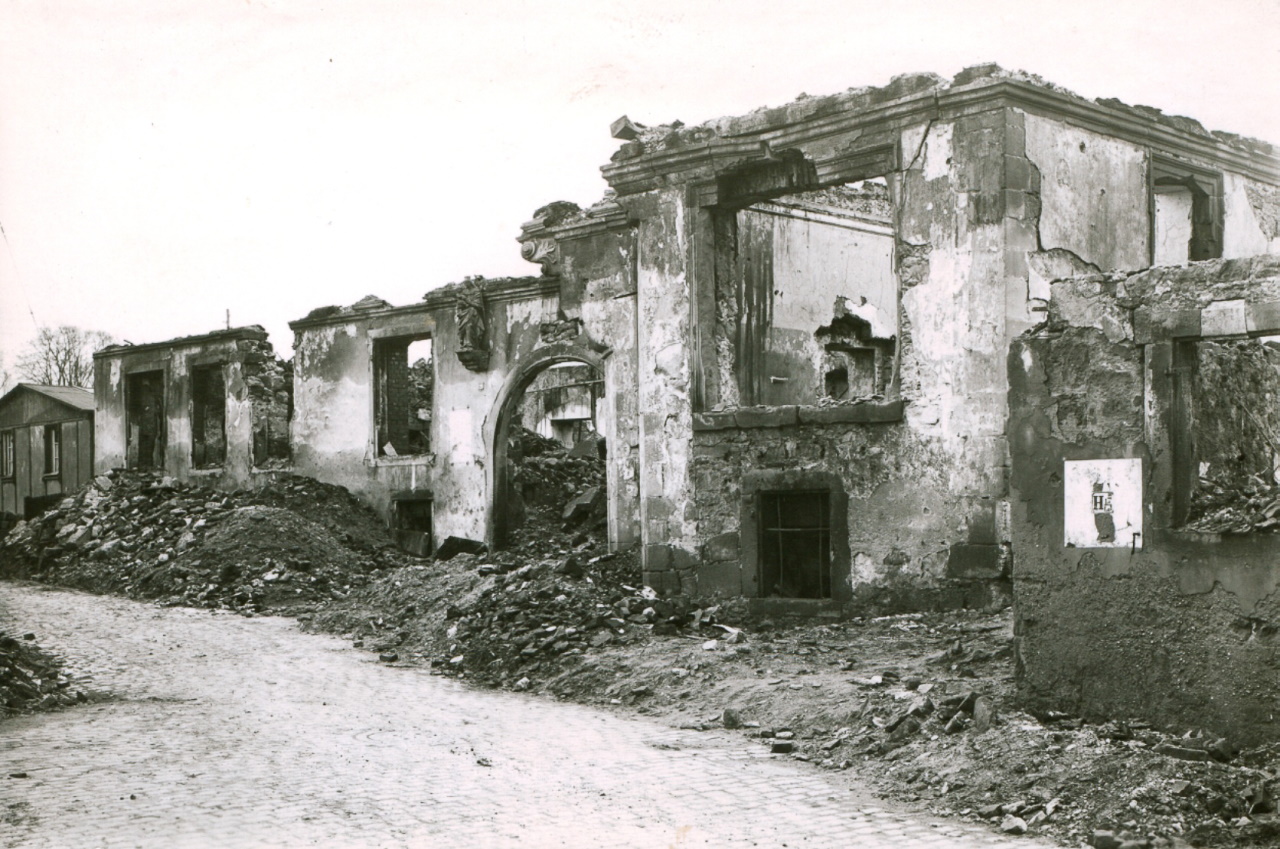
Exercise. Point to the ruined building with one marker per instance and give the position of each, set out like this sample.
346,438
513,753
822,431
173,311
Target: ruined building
801,318
905,347
214,407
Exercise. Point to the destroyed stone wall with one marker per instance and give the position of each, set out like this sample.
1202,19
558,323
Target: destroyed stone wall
1176,627
251,406
908,544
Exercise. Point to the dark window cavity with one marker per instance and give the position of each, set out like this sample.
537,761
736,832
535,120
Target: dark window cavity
403,389
144,420
52,449
795,544
208,417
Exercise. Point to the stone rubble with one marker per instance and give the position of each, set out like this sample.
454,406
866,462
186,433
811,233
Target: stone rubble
287,546
32,680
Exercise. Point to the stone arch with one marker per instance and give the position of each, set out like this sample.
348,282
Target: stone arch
498,424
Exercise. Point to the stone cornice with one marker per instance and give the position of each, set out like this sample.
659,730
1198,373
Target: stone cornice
497,290
605,217
235,334
843,133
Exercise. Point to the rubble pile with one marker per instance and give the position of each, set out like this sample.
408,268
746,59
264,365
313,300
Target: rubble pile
927,703
32,680
289,545
1225,507
549,478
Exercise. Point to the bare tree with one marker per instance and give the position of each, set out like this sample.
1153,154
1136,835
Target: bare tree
4,375
62,356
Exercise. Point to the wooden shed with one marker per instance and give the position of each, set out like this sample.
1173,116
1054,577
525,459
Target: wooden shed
46,445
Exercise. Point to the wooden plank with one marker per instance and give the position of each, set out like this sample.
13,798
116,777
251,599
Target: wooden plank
22,453
69,466
85,428
9,498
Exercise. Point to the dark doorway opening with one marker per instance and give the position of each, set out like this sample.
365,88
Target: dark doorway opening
144,420
795,544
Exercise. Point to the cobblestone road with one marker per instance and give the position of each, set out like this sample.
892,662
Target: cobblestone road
232,732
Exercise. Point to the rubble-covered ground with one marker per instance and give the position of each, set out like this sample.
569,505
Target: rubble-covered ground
921,705
31,679
281,548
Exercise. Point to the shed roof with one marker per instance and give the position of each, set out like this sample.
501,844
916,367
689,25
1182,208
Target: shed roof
72,396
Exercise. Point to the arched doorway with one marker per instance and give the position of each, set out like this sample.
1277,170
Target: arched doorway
548,448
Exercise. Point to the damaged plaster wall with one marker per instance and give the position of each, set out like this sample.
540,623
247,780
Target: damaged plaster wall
667,508
923,471
1179,628
598,290
257,397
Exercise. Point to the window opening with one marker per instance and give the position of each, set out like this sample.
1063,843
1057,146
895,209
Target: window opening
1226,436
52,449
404,383
1186,215
795,544
412,522
144,420
805,298
8,454
208,417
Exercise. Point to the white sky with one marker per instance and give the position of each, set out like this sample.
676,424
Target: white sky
162,161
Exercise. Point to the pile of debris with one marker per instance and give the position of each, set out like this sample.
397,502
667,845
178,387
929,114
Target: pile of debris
32,680
284,547
1219,507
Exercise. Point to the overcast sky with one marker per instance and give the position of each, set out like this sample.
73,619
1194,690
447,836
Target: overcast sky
163,161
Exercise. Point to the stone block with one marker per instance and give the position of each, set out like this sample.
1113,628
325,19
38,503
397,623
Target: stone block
1157,324
888,411
766,416
1263,319
720,579
1224,318
713,421
454,546
967,560
1018,174
722,547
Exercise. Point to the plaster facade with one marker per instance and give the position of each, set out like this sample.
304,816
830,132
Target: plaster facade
816,299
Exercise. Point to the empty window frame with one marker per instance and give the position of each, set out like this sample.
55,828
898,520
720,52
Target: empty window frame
8,454
145,420
795,544
1225,435
1186,214
208,417
403,389
52,449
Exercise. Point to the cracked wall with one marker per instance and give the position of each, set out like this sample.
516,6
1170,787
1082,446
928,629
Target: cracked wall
1178,628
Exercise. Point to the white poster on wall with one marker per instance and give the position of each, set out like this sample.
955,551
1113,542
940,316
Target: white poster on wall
1103,503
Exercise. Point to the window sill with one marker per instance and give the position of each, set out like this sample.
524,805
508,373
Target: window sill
402,460
758,417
